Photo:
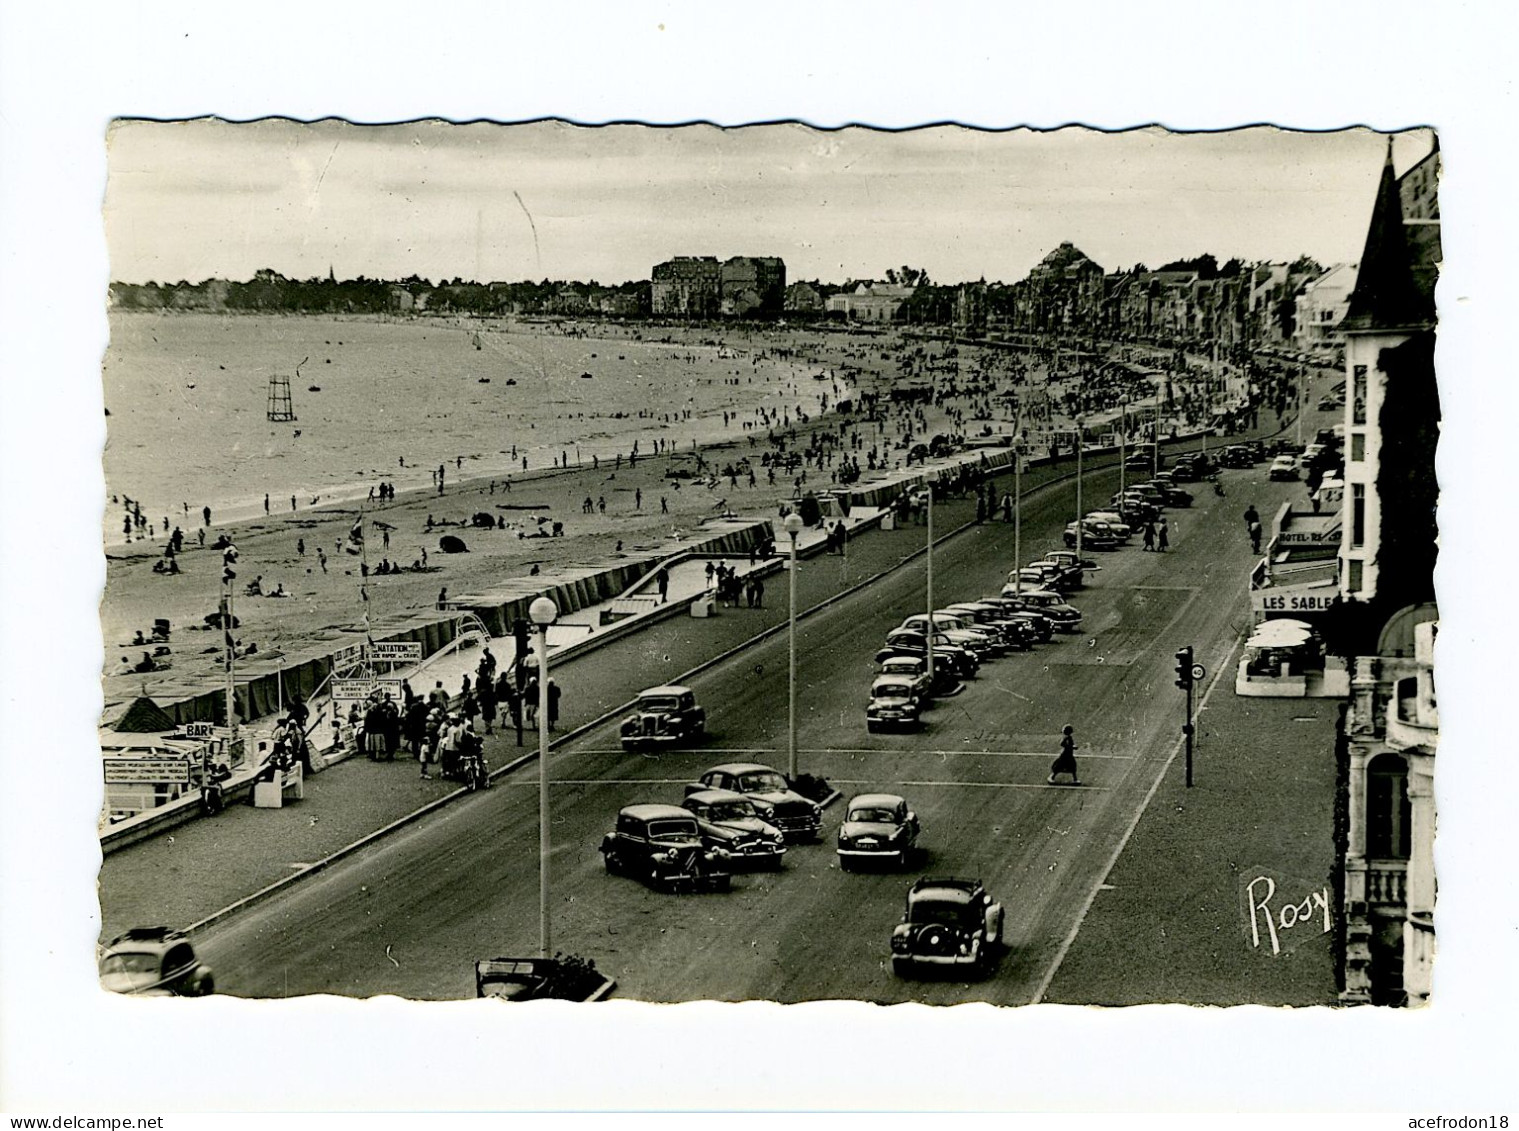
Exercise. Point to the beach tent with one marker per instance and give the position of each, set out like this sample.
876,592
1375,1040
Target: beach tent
144,717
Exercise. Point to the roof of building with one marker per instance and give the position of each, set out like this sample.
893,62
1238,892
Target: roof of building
1386,295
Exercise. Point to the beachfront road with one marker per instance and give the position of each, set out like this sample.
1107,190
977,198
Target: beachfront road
411,915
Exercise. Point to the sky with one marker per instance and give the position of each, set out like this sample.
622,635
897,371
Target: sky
206,198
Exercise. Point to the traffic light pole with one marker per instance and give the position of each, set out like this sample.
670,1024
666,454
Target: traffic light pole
1187,675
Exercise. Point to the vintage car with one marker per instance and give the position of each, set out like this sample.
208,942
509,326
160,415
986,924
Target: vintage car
773,798
730,821
663,715
154,962
893,703
662,845
916,671
1116,525
1011,633
1043,629
1076,567
907,642
960,630
1283,467
1096,534
1172,495
1064,616
877,826
949,924
1236,456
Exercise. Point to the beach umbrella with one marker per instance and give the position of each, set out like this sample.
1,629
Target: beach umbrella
1288,637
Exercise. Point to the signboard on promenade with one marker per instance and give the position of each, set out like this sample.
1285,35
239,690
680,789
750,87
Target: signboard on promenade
122,771
396,652
346,690
1316,600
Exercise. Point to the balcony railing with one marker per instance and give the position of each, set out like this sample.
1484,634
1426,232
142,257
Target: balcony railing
1387,883
1406,728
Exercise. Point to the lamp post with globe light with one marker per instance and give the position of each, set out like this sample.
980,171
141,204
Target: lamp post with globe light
793,526
543,613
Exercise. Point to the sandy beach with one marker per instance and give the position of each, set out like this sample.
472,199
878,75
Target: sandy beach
306,553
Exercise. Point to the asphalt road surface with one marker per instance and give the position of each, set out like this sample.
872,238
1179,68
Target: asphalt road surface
411,915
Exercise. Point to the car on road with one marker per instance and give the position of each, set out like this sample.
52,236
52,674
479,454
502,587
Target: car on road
773,798
893,703
1283,467
877,826
662,845
1096,534
1043,629
1120,529
1170,494
1014,634
1063,616
154,962
729,821
960,632
950,924
907,642
916,670
1077,567
663,716
1042,575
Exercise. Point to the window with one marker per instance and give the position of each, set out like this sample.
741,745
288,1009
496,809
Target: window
1358,514
1388,813
1355,579
1358,447
1358,396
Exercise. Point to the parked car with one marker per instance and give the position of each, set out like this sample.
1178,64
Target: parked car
906,642
960,631
1043,629
1061,615
774,799
893,703
1014,634
662,716
949,924
1116,525
1076,567
877,826
729,821
1096,534
1042,575
916,671
662,846
1171,495
1283,467
154,962
1236,456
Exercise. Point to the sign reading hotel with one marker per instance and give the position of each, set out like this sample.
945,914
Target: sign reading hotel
123,771
1288,601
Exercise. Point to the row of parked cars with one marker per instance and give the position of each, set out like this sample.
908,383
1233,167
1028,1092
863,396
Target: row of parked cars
962,636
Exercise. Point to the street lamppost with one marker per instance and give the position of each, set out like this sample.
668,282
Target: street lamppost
543,613
1123,438
793,526
1080,437
928,632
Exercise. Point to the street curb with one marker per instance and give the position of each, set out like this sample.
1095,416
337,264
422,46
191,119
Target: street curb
250,901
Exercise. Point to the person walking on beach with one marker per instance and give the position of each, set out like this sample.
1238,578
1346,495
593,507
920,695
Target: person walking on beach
266,502
321,557
638,498
205,514
292,502
1066,762
300,546
1163,535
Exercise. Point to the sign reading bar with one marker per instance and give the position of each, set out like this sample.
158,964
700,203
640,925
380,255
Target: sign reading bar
344,690
1286,601
119,771
200,730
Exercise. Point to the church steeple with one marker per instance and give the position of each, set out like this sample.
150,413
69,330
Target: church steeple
1386,296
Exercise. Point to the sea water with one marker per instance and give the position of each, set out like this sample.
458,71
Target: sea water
187,396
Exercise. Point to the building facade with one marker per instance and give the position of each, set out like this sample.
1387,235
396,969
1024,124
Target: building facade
1322,305
753,286
871,302
688,286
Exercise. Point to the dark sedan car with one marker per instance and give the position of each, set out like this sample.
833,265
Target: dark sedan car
662,846
904,642
730,821
877,826
771,794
